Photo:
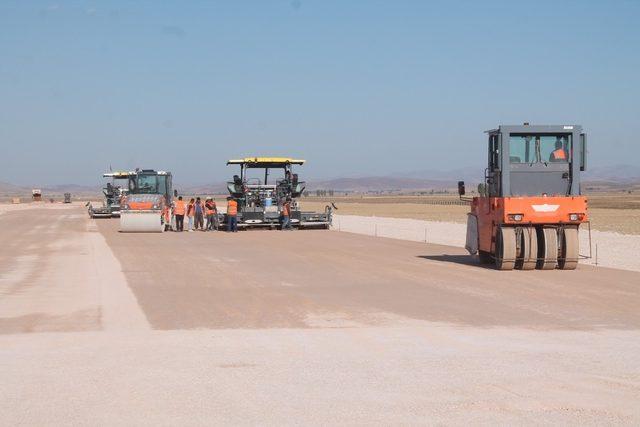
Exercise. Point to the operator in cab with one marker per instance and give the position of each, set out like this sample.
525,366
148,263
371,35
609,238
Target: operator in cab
559,154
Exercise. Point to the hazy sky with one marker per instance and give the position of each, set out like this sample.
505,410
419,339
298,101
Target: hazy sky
355,87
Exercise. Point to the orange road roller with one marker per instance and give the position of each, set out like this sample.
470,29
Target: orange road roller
529,209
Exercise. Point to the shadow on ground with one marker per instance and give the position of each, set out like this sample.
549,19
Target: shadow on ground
457,259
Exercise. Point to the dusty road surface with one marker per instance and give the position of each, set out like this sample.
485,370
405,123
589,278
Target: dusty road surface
318,327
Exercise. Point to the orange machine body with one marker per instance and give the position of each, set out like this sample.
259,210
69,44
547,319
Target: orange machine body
522,211
140,206
144,202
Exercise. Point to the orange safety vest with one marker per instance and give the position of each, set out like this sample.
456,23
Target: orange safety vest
559,154
232,208
210,208
285,209
178,209
191,209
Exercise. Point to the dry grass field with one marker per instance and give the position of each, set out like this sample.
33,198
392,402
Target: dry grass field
619,212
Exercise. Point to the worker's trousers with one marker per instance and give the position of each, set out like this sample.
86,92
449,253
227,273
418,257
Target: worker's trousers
179,222
286,222
232,223
199,221
212,222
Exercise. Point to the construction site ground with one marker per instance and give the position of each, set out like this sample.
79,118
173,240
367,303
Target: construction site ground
303,327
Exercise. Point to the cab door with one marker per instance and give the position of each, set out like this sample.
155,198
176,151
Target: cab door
493,172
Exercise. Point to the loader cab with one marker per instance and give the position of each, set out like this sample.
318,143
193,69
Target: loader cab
535,161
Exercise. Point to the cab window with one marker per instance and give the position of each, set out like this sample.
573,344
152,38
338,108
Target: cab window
539,148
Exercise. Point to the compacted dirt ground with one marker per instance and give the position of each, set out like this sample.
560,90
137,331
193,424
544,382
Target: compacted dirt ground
303,327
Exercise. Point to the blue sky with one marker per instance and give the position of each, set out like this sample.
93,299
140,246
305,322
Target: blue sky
355,87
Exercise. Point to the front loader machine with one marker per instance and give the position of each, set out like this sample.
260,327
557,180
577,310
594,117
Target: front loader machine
148,197
260,201
530,208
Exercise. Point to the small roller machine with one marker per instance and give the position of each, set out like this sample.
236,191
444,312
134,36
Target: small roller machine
530,207
149,194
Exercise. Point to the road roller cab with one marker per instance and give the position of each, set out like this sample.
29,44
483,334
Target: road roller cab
530,208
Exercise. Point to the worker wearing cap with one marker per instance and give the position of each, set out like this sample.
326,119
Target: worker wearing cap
212,214
286,215
559,154
179,209
232,215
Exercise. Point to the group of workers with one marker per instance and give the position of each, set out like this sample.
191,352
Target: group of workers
204,215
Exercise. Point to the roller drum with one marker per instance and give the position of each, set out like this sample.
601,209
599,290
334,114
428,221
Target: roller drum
141,222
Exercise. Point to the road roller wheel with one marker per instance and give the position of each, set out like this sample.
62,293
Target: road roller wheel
569,248
547,248
528,256
505,248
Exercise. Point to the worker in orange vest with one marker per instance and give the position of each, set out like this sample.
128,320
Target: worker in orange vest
179,210
559,154
232,215
211,211
286,215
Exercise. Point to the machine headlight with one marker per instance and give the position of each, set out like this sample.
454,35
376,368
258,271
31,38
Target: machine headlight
516,217
576,217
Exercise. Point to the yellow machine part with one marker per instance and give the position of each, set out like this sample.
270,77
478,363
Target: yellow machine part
269,160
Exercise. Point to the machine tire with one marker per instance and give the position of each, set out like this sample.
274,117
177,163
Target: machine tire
505,248
569,248
547,248
528,256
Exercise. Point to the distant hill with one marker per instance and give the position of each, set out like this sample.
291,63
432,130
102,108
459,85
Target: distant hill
607,177
381,183
470,174
616,174
7,189
410,181
10,189
72,188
